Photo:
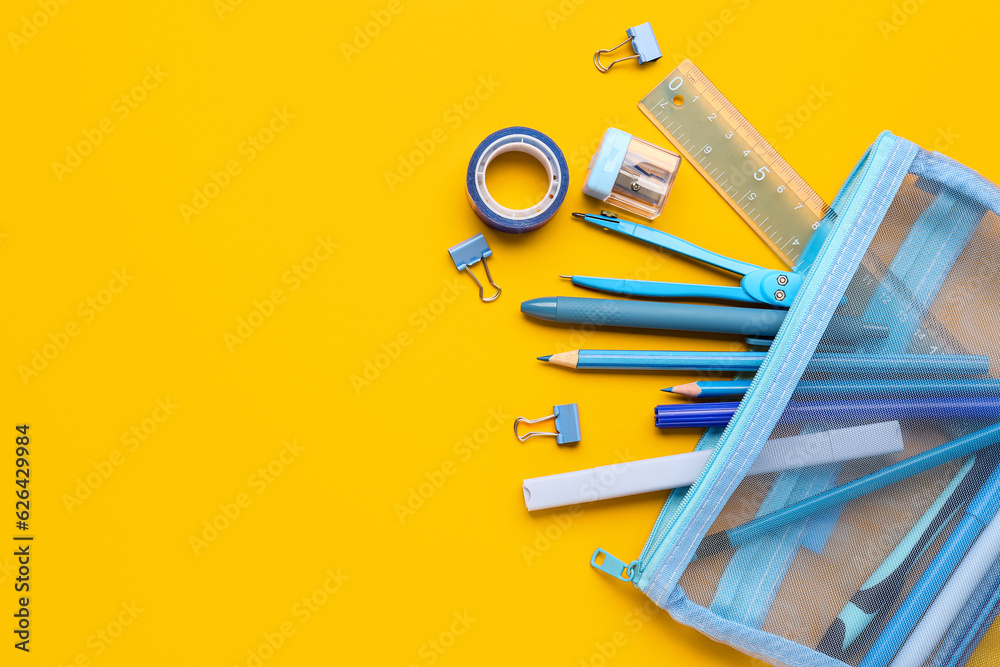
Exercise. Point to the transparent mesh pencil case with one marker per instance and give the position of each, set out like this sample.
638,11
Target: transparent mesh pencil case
885,560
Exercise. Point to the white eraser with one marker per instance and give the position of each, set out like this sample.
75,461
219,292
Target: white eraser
670,472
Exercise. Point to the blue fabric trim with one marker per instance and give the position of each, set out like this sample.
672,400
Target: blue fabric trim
757,643
969,182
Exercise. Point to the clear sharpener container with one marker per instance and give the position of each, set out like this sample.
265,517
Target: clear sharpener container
631,174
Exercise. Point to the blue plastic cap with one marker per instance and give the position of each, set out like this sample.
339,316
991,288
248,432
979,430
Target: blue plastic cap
644,43
567,423
469,251
606,163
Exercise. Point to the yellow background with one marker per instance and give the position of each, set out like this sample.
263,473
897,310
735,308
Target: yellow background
357,114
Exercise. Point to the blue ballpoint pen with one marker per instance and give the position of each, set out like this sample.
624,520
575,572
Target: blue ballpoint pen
979,512
759,285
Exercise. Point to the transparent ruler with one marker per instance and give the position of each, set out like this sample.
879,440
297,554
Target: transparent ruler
726,149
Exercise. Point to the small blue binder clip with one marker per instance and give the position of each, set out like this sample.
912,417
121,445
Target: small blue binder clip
643,43
567,418
467,253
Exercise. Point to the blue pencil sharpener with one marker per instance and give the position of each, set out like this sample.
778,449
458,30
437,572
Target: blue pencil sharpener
631,174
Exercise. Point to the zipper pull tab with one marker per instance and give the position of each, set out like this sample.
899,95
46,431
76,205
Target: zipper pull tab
616,567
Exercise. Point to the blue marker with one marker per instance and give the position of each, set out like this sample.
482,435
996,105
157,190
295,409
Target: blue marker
978,513
703,415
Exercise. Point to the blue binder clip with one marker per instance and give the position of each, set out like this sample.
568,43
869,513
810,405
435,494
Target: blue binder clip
567,418
643,43
467,253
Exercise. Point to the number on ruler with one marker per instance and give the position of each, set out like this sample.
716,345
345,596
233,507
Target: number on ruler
760,173
675,83
712,117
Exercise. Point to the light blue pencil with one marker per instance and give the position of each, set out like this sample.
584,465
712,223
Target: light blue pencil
674,360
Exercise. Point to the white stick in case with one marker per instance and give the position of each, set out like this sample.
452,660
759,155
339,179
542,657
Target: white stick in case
670,472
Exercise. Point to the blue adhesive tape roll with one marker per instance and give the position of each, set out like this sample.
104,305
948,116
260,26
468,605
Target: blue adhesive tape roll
524,140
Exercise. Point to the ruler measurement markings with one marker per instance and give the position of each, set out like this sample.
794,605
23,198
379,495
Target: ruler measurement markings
759,154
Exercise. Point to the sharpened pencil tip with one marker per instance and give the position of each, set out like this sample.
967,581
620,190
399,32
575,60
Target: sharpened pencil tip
670,389
691,389
545,358
579,215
